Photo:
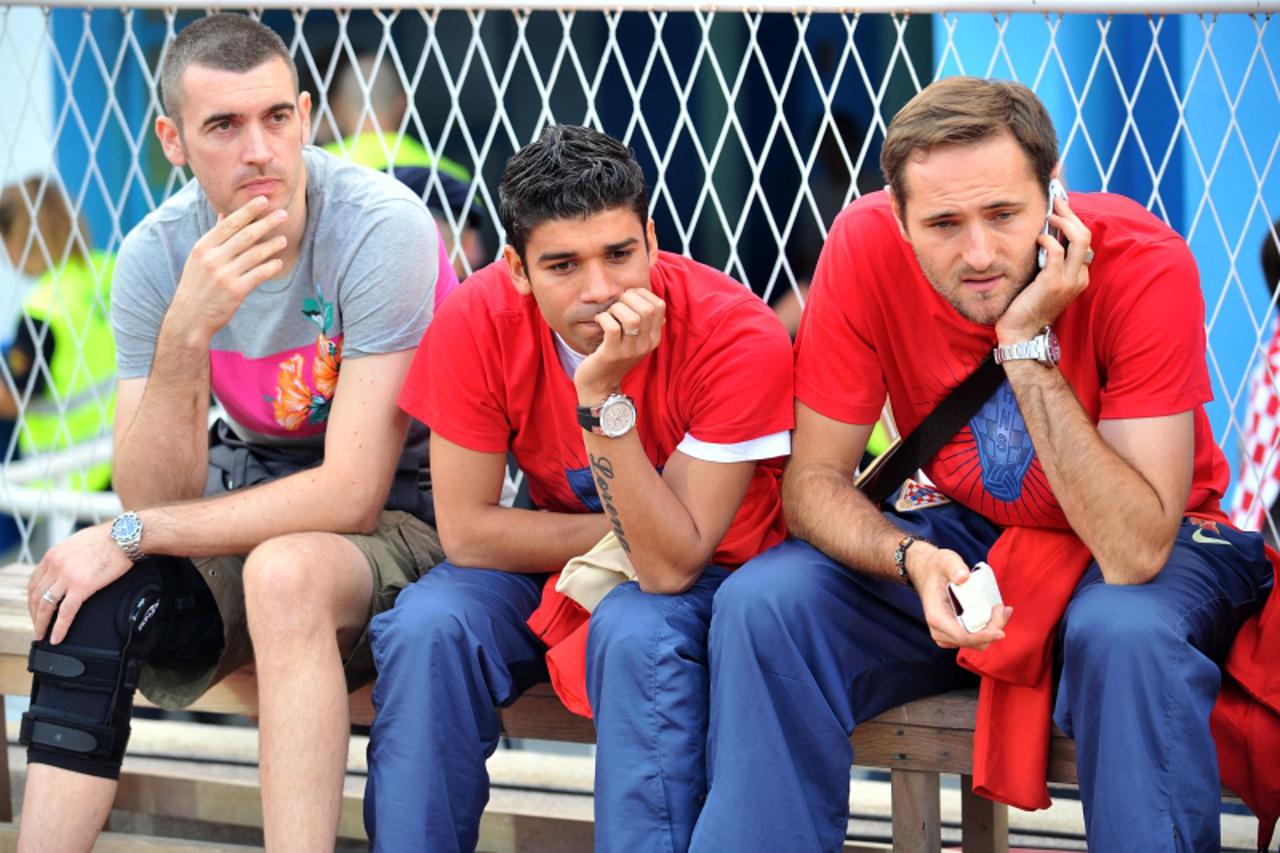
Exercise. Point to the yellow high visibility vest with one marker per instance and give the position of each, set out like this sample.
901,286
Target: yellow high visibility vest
78,401
371,149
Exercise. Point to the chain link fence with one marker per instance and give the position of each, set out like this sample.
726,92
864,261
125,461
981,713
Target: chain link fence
754,127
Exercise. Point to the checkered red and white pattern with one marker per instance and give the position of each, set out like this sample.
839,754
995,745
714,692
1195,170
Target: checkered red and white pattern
1258,484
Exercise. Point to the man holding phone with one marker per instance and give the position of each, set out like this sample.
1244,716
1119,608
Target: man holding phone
1074,481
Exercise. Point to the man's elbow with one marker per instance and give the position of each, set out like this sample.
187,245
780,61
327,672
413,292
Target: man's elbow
797,489
1136,564
366,523
460,546
659,577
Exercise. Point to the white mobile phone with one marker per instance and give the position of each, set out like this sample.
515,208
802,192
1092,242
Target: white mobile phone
1056,191
974,599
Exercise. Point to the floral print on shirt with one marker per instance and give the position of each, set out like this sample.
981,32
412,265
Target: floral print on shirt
296,403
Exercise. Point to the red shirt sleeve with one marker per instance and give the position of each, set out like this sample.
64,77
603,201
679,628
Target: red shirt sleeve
743,387
453,383
1152,335
838,372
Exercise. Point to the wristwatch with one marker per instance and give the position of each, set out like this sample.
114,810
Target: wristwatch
1042,348
126,531
615,417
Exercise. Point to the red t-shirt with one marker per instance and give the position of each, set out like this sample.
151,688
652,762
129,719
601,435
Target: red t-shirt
487,376
1133,346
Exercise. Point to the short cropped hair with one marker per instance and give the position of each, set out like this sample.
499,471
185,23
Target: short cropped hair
965,111
570,172
53,223
223,41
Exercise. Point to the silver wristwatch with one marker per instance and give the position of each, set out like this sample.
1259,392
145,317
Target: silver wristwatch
615,417
1042,348
126,531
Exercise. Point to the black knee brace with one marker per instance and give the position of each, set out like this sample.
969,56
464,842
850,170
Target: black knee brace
82,689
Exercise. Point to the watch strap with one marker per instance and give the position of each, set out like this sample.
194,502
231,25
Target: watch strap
1036,349
589,417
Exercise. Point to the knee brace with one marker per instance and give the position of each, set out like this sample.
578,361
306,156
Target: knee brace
82,689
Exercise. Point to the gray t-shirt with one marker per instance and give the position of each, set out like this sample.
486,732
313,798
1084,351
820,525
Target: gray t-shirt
364,284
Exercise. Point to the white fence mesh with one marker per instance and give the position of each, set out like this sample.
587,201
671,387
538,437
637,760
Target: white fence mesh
754,128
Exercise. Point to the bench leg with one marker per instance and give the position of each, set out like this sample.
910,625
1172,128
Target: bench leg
6,792
984,823
917,811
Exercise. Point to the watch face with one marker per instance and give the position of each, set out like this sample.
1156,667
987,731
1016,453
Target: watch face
1055,352
617,416
125,528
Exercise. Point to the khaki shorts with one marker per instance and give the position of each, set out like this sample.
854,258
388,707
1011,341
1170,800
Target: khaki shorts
400,551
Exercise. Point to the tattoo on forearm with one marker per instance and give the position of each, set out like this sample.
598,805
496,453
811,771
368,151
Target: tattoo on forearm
603,470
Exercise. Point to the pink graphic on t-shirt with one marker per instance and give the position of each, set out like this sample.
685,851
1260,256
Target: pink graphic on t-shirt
287,393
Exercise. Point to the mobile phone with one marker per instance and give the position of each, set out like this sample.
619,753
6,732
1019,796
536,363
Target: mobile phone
1056,191
974,599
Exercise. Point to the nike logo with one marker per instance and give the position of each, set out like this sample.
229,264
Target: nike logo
1198,536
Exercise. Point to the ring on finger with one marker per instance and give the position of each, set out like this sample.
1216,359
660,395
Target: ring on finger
632,331
1088,257
48,596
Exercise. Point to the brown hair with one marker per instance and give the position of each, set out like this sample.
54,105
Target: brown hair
61,232
225,41
963,111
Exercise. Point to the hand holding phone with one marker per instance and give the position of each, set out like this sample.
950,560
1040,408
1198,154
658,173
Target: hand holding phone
1056,191
974,599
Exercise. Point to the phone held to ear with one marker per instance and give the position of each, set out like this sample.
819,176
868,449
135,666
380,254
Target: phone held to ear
974,599
1056,191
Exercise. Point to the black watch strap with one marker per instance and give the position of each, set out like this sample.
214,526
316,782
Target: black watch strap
589,417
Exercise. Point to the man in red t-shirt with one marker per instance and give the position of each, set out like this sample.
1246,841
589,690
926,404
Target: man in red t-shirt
642,394
1101,452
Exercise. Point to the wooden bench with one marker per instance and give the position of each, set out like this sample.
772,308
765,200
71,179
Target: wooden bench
915,742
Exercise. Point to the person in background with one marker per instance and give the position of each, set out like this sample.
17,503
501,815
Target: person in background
368,103
1253,500
62,361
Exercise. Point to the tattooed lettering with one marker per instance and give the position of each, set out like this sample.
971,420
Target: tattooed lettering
603,469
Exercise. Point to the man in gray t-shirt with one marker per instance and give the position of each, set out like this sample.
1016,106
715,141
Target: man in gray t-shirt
292,288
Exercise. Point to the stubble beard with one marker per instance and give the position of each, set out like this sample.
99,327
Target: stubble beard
985,309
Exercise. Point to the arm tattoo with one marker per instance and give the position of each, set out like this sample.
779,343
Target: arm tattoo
603,470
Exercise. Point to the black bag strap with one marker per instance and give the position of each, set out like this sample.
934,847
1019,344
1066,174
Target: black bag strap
899,462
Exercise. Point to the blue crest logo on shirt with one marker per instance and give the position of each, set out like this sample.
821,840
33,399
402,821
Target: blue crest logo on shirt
584,486
1004,445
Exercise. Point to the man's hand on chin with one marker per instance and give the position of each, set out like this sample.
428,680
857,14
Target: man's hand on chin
69,574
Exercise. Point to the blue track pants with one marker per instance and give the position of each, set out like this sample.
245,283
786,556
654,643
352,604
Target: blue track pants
803,649
456,647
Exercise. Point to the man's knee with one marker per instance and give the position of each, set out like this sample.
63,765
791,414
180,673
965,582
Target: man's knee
284,592
429,618
82,689
1114,623
776,588
629,620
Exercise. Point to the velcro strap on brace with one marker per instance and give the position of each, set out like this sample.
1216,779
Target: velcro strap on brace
101,742
79,668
